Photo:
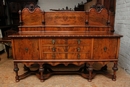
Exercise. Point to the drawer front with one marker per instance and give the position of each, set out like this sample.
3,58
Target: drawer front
70,42
79,41
78,55
105,48
46,49
53,56
52,42
79,48
65,55
66,48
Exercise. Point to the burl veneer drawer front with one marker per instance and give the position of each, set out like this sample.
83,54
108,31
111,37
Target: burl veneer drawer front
81,48
65,56
79,41
50,49
78,56
26,49
53,56
70,42
46,42
105,48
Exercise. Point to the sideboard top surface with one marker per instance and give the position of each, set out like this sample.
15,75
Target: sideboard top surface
65,34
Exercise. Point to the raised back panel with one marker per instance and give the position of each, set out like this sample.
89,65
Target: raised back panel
99,18
65,18
34,17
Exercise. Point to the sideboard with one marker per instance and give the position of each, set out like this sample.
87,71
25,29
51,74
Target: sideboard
64,37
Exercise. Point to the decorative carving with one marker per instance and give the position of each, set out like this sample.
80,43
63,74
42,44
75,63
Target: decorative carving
32,6
98,7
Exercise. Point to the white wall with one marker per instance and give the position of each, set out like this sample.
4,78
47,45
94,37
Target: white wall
122,26
46,5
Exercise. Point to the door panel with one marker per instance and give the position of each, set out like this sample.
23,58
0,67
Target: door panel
105,48
26,49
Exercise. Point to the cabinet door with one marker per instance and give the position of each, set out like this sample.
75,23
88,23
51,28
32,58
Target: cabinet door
105,48
26,49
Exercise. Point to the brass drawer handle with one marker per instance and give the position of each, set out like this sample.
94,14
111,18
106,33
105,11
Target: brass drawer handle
78,49
105,49
53,41
78,56
79,41
53,56
54,49
26,49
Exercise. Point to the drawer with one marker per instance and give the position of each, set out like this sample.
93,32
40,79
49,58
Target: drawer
53,49
53,56
79,55
66,49
79,41
66,55
66,42
52,42
79,49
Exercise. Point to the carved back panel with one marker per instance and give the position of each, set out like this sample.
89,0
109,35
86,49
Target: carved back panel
32,17
98,17
65,18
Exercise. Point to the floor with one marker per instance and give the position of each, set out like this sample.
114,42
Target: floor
7,78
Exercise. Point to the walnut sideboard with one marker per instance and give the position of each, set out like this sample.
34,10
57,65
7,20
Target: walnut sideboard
68,37
63,48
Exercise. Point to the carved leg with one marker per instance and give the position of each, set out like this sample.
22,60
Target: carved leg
90,70
115,68
41,69
16,69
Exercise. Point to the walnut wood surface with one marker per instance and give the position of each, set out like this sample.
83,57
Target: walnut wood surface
64,38
38,20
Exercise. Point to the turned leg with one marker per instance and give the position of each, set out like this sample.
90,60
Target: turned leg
41,69
16,69
115,68
90,70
